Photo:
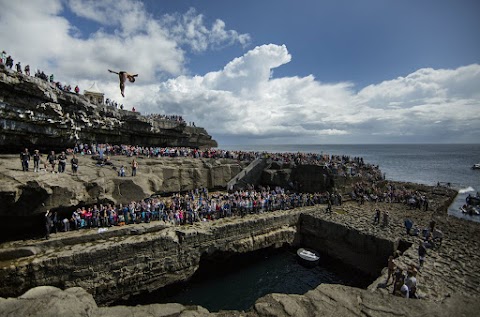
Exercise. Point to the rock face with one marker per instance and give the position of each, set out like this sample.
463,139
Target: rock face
34,114
310,178
26,196
133,259
360,250
129,260
325,300
149,256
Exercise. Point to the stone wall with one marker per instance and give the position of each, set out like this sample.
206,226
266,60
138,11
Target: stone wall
367,253
304,178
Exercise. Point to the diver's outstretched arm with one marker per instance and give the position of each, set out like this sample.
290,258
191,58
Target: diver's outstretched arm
111,71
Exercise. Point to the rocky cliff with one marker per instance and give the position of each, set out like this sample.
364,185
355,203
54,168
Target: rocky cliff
325,300
25,196
35,114
128,260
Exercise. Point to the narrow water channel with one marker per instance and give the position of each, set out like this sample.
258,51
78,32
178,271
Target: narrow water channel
237,282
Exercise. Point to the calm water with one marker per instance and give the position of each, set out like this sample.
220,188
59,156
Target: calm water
237,283
417,163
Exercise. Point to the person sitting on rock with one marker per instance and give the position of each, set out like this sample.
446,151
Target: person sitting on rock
121,172
411,283
398,280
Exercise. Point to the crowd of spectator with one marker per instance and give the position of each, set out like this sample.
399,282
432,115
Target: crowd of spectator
194,206
8,62
388,193
113,103
175,118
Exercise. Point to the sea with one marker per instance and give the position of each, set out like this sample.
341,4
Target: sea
430,164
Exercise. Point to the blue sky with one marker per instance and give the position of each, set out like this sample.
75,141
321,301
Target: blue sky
272,71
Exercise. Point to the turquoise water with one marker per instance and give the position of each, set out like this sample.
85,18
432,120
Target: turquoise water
417,163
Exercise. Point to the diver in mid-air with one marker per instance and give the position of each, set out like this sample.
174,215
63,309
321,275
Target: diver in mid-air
123,76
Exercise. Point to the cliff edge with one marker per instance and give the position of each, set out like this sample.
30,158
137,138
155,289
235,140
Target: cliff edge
35,114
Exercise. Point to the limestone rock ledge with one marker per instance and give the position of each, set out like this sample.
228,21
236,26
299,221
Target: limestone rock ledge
325,300
33,113
25,196
149,257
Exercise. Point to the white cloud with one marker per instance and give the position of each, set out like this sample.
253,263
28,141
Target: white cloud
242,100
126,37
190,29
130,16
35,32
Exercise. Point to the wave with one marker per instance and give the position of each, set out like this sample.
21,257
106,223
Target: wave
466,190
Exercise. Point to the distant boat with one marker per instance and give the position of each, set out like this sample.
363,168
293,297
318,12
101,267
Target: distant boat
308,256
473,200
470,210
476,166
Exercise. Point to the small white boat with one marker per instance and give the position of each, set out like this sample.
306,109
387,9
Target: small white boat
476,166
308,256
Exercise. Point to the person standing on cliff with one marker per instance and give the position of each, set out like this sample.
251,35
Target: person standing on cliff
36,161
9,62
134,167
74,162
376,220
385,218
48,224
25,158
391,268
123,76
3,58
62,162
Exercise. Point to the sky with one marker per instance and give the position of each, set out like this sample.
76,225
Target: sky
270,71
